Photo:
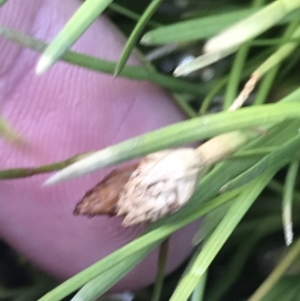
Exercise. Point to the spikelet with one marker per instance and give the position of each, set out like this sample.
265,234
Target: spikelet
162,183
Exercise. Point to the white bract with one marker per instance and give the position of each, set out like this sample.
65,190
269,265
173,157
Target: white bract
162,183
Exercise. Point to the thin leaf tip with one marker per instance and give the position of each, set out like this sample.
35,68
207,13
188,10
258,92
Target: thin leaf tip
44,64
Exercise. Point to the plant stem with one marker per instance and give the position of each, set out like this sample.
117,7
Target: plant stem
288,196
104,66
15,173
162,261
223,145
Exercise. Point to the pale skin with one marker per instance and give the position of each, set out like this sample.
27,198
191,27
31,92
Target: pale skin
67,111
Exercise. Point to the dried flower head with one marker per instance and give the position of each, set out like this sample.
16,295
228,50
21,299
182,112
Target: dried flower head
162,183
159,185
102,199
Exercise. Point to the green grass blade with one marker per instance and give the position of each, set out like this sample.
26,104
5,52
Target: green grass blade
195,29
201,28
184,105
214,51
131,41
272,64
88,12
178,134
2,2
234,268
130,14
252,26
220,235
212,56
287,289
198,294
211,94
235,75
202,61
288,196
237,68
265,86
98,65
251,65
99,285
162,261
282,53
213,218
255,152
277,158
266,226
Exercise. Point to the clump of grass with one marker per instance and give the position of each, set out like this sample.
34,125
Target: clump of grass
229,191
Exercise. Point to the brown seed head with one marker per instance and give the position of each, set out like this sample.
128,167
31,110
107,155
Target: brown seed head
162,183
102,199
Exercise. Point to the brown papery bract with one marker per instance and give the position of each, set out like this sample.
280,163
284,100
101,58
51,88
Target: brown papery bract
102,199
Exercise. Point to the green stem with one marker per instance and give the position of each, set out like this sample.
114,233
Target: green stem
282,53
104,66
184,106
211,94
16,173
223,145
162,261
130,14
184,132
132,39
198,293
82,19
235,75
252,26
287,201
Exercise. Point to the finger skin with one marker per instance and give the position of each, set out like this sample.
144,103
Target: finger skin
70,110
